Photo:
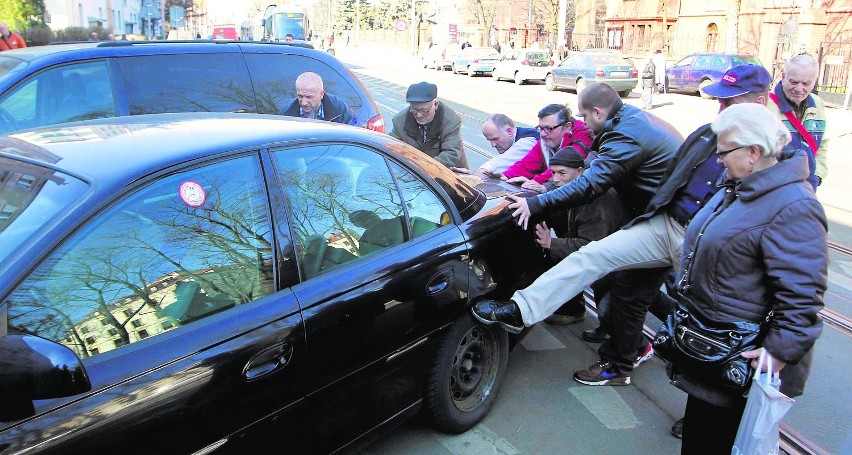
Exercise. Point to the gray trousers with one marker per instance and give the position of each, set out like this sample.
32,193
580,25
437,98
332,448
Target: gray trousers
656,242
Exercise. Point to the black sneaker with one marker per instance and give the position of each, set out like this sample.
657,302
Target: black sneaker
597,335
507,314
677,428
601,373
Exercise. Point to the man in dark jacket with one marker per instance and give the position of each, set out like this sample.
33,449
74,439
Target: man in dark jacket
430,126
634,148
312,102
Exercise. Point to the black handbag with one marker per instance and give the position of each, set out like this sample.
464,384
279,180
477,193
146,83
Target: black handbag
708,350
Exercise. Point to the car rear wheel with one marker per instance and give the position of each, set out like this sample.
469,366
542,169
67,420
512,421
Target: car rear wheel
455,71
495,76
549,83
581,85
467,374
624,93
470,73
518,79
701,86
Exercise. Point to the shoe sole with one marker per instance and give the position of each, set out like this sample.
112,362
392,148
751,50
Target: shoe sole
644,358
609,382
507,327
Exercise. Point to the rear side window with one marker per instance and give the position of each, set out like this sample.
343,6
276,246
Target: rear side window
274,77
67,93
186,83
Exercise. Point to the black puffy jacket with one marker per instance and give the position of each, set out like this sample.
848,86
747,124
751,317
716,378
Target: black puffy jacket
757,247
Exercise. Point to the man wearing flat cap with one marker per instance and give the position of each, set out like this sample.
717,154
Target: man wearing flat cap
430,126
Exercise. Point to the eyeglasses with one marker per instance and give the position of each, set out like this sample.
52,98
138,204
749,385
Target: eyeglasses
549,129
421,111
723,153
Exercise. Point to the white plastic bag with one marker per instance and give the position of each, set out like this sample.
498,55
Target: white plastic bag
765,407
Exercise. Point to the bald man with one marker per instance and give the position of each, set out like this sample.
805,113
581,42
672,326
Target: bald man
312,102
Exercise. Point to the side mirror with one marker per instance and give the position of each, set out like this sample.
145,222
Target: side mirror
35,369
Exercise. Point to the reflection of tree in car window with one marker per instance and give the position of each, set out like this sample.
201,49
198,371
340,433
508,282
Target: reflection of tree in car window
153,263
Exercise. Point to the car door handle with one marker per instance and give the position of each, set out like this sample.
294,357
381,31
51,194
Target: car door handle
439,282
268,361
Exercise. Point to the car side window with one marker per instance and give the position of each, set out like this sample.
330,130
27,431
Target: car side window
704,60
65,93
426,211
216,82
344,204
180,249
274,78
718,61
686,61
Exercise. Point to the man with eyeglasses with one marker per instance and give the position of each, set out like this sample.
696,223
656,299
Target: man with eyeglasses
558,129
430,126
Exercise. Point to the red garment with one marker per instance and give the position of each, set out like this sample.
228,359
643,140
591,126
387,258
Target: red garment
534,166
12,41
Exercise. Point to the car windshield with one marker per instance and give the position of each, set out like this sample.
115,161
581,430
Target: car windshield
30,197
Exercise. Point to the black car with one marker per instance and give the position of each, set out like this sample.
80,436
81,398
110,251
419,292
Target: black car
184,283
45,85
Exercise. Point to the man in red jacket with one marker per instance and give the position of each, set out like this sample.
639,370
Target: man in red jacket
9,39
558,129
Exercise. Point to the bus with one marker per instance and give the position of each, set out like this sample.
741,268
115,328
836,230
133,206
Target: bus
279,21
225,32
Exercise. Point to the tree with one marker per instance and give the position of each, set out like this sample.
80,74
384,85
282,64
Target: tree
483,11
22,14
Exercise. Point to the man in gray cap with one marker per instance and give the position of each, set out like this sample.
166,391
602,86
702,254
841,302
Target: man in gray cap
430,126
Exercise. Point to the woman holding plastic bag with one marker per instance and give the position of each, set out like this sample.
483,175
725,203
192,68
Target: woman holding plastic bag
756,255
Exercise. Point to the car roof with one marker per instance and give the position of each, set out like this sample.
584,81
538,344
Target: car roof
135,146
63,52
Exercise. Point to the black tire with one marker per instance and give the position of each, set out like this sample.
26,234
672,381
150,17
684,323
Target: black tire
518,79
466,375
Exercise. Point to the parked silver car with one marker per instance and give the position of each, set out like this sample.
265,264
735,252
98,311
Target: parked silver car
523,65
476,60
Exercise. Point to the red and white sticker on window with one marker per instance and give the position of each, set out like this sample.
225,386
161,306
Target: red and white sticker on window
192,193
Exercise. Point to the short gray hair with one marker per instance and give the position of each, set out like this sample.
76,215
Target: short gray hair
752,124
